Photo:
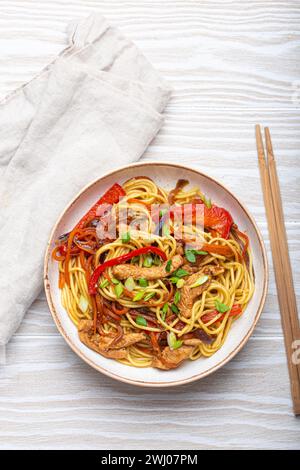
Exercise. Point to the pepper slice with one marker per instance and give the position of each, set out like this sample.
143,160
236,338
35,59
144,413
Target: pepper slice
215,218
119,260
112,196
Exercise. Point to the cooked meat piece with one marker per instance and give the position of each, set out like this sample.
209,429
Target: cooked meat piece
170,359
104,344
123,271
189,294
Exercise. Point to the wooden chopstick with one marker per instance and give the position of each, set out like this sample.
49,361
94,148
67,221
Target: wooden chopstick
281,260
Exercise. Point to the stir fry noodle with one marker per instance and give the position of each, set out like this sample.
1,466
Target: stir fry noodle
152,277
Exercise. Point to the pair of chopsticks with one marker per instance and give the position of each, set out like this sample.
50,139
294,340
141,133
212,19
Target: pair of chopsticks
281,260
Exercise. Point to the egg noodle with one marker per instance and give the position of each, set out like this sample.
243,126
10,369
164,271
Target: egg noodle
153,307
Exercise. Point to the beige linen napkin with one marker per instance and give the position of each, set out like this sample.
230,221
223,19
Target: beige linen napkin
96,107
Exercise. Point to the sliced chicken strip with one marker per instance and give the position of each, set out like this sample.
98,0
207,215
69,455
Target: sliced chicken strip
172,358
123,271
189,294
103,344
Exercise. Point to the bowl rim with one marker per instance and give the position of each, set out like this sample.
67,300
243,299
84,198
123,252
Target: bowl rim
136,382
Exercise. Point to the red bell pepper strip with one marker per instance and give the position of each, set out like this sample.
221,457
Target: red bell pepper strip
215,218
119,260
218,219
112,196
235,310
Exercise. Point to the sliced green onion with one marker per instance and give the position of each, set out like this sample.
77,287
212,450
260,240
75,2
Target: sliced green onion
173,342
135,259
148,261
138,296
180,272
143,282
190,256
200,252
168,266
222,308
177,297
200,281
149,296
126,237
104,284
130,284
174,309
173,279
180,283
115,281
165,311
119,290
141,321
83,304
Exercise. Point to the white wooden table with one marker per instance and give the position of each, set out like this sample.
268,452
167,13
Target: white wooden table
232,64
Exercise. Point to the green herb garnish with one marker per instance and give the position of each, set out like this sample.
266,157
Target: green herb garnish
180,283
156,260
177,297
126,237
148,261
115,281
174,309
180,273
138,296
141,321
206,200
119,290
149,296
104,284
173,342
173,279
130,284
143,282
200,281
165,311
162,212
190,256
166,230
168,266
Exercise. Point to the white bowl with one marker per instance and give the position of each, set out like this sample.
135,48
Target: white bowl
165,175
